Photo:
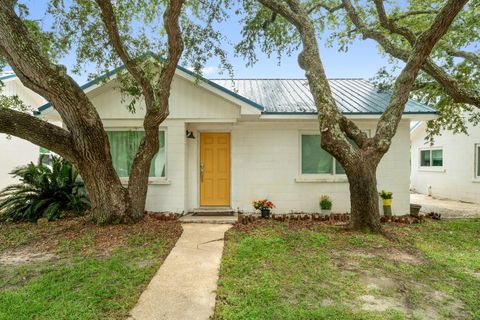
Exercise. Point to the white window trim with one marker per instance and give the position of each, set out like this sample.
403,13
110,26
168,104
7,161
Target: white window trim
476,177
431,168
316,177
151,180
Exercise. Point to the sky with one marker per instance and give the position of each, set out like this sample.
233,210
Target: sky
361,61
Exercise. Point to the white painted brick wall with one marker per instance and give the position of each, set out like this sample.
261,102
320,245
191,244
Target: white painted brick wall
265,163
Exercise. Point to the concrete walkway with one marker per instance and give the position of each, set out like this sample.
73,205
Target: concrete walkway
449,209
184,286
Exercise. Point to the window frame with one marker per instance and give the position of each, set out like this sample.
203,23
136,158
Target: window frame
315,175
431,166
476,165
151,180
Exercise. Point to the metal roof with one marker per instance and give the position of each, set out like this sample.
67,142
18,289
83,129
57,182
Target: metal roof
293,96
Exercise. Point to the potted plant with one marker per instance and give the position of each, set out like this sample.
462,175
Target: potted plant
264,206
387,202
326,205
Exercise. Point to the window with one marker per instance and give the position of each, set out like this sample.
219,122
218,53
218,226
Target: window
477,161
123,147
431,158
46,156
315,160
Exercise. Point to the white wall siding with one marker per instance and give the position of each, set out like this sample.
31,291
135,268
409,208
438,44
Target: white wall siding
456,179
169,195
15,152
187,101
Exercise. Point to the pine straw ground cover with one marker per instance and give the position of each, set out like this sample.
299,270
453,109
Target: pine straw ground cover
71,270
308,270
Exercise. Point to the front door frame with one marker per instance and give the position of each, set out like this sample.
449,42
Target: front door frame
199,160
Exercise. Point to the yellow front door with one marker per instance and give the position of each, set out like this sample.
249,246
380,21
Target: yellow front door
215,169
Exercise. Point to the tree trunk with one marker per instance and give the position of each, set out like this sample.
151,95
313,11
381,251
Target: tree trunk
109,199
138,180
364,197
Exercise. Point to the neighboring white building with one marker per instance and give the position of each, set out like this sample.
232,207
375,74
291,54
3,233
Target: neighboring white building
450,168
14,151
227,143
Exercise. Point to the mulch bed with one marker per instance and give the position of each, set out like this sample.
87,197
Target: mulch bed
103,238
339,219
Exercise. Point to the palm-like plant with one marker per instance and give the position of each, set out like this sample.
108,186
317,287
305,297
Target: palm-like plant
45,191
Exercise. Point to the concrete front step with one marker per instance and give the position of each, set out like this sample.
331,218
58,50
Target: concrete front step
189,218
213,211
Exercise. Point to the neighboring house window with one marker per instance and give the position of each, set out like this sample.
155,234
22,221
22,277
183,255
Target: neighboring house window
477,161
123,147
46,155
315,160
431,158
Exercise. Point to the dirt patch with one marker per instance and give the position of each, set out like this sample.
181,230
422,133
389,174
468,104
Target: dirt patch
24,255
392,254
402,256
377,282
379,304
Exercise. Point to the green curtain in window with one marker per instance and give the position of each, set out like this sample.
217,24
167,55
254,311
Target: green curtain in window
437,158
314,158
425,158
123,147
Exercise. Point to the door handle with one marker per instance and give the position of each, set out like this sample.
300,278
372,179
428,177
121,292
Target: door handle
202,167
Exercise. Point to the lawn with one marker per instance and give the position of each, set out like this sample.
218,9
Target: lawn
70,270
305,270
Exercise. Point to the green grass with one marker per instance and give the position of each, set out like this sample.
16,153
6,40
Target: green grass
273,271
87,279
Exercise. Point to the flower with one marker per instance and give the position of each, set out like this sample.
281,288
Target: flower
263,204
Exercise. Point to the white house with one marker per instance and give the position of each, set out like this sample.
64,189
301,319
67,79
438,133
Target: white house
229,142
450,168
15,152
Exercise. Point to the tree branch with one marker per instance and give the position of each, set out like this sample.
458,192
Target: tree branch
470,56
389,120
110,21
457,92
334,126
413,13
37,131
38,73
330,9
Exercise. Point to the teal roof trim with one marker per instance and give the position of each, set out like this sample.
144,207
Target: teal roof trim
191,73
8,77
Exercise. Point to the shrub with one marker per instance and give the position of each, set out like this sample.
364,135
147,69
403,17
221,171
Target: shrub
325,202
48,191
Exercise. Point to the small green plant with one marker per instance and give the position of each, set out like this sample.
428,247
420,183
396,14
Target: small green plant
325,202
45,191
385,194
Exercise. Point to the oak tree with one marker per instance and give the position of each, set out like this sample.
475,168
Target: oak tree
281,23
104,33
